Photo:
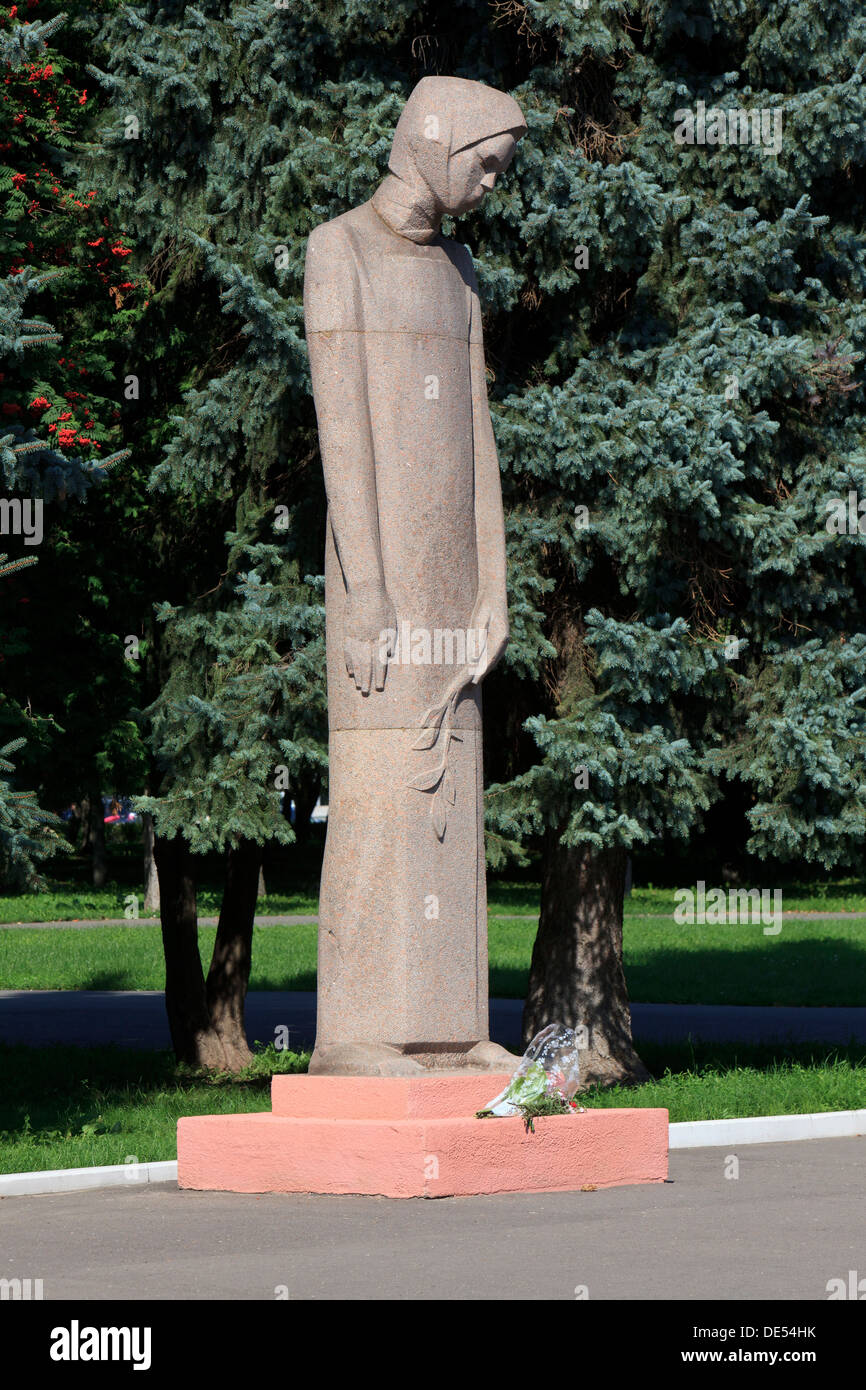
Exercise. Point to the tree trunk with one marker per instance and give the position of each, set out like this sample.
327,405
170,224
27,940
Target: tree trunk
576,977
96,838
151,877
81,811
229,971
192,1036
305,794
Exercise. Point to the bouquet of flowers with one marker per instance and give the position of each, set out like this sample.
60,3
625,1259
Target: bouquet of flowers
545,1081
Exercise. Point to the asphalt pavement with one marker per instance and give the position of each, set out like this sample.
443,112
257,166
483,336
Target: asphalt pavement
790,1220
136,1018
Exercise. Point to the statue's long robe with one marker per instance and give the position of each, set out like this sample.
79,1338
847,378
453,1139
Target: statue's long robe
394,329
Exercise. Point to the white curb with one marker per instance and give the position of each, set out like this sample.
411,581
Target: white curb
767,1129
693,1134
78,1179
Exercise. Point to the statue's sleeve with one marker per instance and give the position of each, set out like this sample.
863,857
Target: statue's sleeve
333,318
489,519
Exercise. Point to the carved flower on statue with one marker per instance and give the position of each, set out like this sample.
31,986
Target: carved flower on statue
440,779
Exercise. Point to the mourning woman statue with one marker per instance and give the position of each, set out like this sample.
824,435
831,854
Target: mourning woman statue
416,607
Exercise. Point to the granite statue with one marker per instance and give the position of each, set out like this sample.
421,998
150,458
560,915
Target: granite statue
415,596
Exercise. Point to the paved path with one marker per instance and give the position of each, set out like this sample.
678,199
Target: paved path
290,920
137,1019
790,1222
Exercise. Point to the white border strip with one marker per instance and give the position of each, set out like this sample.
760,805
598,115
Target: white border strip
79,1179
766,1129
693,1134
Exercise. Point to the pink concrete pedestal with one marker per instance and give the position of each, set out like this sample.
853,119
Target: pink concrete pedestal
414,1137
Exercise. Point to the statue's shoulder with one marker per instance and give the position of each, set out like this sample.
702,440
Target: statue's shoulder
335,254
343,230
333,234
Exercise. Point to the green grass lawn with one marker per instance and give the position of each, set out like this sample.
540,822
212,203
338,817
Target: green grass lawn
80,1107
844,895
74,903
92,904
813,962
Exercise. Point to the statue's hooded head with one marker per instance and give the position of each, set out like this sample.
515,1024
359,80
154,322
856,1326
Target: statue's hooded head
452,140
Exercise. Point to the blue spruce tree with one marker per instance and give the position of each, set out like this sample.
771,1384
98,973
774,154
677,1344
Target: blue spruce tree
672,275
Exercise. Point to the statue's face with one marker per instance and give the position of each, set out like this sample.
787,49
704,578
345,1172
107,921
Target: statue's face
473,172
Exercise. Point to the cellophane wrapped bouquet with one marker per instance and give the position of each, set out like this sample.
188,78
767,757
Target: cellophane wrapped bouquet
546,1080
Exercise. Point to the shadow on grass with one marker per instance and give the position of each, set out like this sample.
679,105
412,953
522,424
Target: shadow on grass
816,972
108,980
704,1059
297,980
505,897
829,893
56,1090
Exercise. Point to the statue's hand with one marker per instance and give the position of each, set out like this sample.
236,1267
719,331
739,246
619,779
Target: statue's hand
490,620
370,635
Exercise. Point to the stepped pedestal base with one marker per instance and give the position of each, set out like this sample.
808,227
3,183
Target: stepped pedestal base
414,1137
